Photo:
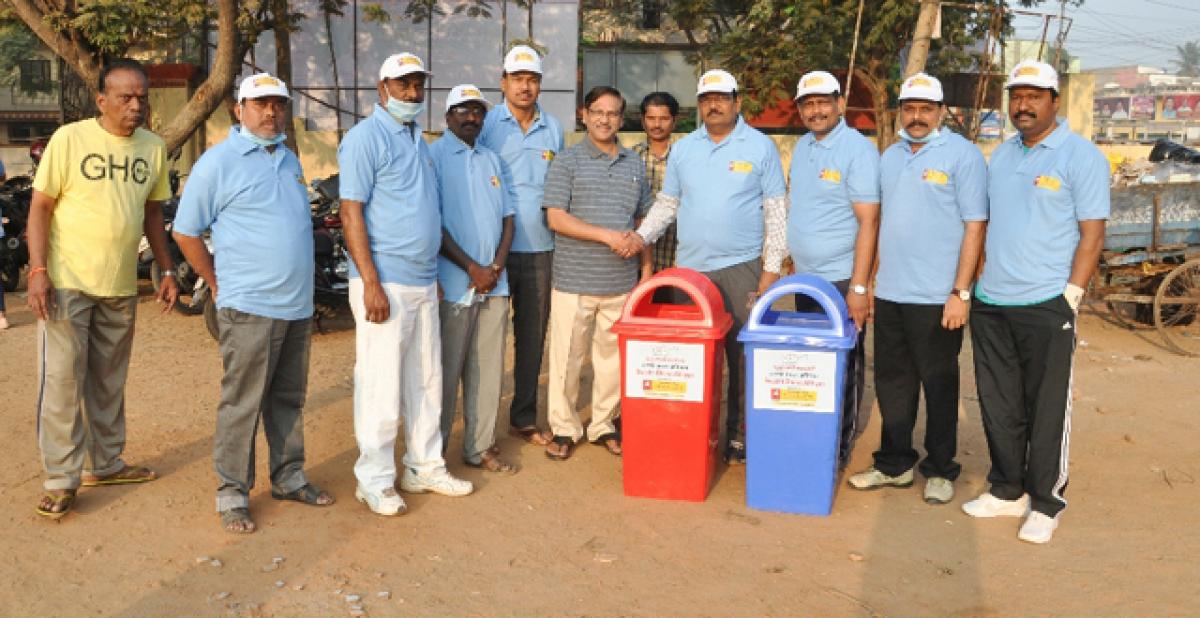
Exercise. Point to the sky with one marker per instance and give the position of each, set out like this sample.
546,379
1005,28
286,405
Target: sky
1108,33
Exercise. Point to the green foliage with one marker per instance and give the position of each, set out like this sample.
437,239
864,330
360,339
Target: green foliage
17,44
1188,62
418,11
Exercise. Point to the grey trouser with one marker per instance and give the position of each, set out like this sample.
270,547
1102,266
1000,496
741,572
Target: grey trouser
473,353
266,377
83,358
737,284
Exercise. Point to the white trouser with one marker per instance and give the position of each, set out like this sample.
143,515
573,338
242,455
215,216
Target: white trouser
397,368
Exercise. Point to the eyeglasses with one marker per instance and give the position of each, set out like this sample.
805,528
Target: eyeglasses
597,114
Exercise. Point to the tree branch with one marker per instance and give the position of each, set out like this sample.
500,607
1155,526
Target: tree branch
215,87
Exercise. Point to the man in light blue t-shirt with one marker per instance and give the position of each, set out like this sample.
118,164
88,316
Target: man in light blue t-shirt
934,189
725,184
249,190
477,207
389,199
1048,190
834,219
527,140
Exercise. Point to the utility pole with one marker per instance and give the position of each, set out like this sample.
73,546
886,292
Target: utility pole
922,36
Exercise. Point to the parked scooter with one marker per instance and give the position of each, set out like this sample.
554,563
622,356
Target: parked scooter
193,290
331,261
15,195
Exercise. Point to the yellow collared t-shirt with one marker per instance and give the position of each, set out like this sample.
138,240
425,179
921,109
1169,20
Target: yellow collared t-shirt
101,183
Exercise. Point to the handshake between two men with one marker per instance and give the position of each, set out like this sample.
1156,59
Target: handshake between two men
625,244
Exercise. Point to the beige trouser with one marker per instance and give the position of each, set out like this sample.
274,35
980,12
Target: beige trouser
572,316
83,357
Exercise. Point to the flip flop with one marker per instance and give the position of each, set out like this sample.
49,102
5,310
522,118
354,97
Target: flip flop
490,462
309,494
63,502
125,476
611,442
565,446
532,435
238,515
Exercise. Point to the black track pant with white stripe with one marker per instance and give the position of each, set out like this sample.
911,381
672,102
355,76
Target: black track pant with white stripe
1023,364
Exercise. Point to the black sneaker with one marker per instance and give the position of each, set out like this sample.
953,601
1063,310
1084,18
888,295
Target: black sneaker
735,453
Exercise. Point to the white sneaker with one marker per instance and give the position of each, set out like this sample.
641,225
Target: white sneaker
386,502
439,482
1038,528
874,479
987,505
939,490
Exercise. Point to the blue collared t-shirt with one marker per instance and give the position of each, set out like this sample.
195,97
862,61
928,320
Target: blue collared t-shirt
927,196
386,166
476,197
721,188
256,204
1037,199
527,157
827,177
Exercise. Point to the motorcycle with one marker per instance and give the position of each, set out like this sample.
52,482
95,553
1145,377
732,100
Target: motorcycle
193,290
331,260
15,195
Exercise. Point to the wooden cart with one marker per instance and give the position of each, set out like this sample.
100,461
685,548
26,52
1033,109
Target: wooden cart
1150,270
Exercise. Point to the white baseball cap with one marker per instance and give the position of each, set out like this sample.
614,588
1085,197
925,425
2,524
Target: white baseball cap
921,86
716,80
1034,74
399,65
463,93
523,58
816,82
262,85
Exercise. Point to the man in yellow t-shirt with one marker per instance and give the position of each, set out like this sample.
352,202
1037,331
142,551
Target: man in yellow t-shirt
99,187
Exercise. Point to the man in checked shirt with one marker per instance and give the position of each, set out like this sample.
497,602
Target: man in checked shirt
660,110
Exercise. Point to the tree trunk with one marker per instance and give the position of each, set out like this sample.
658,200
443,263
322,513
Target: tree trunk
283,64
922,34
885,122
216,86
81,57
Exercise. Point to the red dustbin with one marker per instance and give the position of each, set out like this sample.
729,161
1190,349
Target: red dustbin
671,365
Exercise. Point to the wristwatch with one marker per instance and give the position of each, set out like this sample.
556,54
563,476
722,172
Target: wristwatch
170,272
497,268
963,295
859,288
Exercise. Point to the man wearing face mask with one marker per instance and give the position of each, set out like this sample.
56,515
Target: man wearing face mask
934,211
526,139
834,219
249,190
1048,190
725,183
477,229
389,200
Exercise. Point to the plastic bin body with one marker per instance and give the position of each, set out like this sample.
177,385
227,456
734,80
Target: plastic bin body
795,369
671,369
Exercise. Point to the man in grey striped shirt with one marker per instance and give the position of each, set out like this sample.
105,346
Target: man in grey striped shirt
595,193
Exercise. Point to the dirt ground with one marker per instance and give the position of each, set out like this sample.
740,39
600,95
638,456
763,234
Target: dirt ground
561,538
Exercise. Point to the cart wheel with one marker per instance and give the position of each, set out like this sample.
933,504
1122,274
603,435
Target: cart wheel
1177,307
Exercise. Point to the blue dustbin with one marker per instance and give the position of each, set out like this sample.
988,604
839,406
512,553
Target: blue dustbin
795,366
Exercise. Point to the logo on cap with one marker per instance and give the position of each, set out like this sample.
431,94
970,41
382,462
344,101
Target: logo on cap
920,81
1027,70
265,81
815,80
523,57
711,79
471,92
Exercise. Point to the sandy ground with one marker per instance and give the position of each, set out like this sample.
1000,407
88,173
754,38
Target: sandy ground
561,538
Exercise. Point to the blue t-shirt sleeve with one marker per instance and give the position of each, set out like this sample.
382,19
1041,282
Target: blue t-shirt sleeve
198,206
356,166
1090,185
670,185
970,185
862,179
559,178
772,176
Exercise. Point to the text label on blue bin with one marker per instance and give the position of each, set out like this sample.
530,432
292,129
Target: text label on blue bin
795,381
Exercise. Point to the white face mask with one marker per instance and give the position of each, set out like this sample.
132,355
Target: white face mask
924,140
261,141
404,111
